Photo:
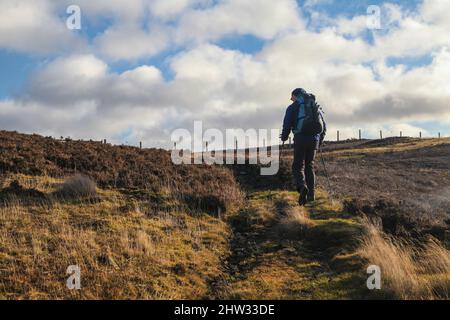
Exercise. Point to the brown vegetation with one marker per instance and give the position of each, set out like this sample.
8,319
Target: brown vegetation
141,172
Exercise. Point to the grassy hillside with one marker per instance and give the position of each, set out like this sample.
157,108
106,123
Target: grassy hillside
125,247
152,230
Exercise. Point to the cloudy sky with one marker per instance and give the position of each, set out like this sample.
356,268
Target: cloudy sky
138,69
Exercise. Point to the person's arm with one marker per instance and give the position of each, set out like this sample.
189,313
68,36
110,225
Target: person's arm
287,125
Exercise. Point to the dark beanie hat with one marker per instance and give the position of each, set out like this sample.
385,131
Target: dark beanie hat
298,92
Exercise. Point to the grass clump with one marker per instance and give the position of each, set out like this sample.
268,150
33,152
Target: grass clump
78,186
408,272
295,223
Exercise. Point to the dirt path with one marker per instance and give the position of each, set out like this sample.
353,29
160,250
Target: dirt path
281,251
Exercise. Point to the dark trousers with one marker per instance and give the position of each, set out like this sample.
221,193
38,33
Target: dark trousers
303,166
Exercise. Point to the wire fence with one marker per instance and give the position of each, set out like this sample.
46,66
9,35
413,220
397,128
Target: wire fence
383,134
339,137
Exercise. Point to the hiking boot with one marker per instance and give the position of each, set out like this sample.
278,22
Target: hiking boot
311,197
303,196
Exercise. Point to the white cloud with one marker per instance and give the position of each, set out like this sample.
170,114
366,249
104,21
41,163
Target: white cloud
145,28
67,80
436,12
264,19
129,42
33,26
352,27
414,33
164,9
79,96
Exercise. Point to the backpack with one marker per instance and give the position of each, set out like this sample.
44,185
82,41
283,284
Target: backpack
313,123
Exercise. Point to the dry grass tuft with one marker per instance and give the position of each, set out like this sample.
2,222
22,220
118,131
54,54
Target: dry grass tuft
144,243
78,186
295,223
408,272
437,257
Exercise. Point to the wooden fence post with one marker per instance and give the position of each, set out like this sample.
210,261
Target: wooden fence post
381,134
360,134
338,138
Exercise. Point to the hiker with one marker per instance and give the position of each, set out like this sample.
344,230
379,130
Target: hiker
304,119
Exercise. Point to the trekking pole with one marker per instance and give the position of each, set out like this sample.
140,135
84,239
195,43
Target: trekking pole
280,154
326,174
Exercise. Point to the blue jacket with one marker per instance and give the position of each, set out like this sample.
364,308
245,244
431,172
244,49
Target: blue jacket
296,126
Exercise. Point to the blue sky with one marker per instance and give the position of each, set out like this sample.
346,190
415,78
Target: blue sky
15,69
185,50
350,8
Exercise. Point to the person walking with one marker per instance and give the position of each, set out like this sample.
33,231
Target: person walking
304,119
